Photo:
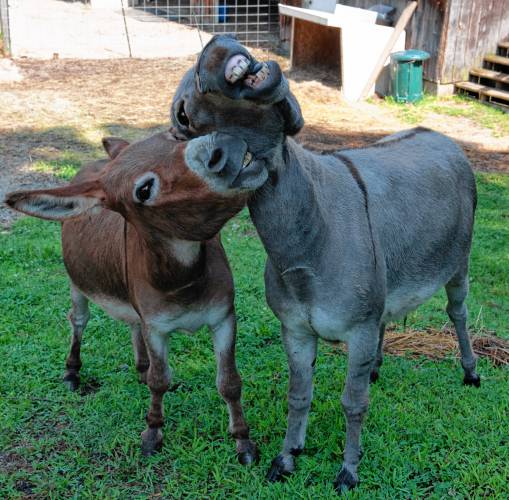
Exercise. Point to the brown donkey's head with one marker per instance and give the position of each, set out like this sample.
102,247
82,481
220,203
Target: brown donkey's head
159,184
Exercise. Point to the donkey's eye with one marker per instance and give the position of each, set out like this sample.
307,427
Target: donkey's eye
146,188
143,192
181,116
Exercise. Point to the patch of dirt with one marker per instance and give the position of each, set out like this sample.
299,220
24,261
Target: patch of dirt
11,461
62,106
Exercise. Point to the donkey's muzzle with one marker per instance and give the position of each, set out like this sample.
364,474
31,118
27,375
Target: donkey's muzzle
217,155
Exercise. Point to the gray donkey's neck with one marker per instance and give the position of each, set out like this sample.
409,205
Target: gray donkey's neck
287,212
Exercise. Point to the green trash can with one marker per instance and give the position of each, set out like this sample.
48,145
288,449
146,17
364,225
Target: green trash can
406,75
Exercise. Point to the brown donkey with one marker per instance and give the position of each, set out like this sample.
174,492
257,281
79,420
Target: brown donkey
140,239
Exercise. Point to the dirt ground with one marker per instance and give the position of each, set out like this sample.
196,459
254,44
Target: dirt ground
63,107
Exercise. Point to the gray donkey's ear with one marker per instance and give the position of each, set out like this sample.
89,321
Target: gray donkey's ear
292,115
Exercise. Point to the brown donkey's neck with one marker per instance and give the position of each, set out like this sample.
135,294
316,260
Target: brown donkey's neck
168,264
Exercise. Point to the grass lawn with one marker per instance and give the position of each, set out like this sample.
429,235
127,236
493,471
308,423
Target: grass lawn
426,435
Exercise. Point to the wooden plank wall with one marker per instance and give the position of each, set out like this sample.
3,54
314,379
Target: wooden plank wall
457,33
423,32
474,29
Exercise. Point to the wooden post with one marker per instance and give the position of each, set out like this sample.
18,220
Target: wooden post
398,29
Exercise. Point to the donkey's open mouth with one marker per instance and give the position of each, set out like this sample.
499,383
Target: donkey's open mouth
226,67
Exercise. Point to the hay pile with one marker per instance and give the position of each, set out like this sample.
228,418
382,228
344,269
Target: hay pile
440,344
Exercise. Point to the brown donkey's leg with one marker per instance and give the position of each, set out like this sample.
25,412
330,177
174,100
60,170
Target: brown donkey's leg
78,317
140,353
158,381
229,386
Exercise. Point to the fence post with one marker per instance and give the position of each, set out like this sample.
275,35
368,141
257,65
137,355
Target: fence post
4,27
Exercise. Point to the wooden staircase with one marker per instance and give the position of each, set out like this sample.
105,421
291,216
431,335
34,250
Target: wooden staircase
491,82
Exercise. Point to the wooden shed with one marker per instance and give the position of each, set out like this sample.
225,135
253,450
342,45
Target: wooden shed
457,34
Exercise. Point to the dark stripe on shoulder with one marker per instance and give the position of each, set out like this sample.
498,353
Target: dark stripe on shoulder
354,172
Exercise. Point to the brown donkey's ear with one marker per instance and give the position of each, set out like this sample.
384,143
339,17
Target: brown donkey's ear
59,203
114,146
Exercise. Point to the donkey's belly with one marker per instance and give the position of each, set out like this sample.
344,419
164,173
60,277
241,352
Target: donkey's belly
117,309
406,299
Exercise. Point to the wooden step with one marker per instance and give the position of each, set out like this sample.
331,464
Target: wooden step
470,87
490,74
504,44
492,58
485,93
497,94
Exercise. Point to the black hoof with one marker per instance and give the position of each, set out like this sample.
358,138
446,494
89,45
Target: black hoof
277,471
72,381
151,442
345,481
149,449
373,377
249,454
474,380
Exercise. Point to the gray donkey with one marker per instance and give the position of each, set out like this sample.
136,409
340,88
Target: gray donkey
354,239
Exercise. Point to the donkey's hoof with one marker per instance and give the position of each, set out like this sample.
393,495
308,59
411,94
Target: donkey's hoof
247,453
373,377
345,480
474,380
279,471
142,377
71,381
151,441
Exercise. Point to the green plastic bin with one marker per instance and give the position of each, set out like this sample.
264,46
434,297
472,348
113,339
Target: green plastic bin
406,75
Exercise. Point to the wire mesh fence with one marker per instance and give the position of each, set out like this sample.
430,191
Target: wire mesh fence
255,22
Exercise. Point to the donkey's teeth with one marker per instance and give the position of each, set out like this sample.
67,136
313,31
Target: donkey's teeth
263,73
236,68
247,159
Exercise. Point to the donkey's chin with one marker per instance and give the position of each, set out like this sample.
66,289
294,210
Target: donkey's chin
252,176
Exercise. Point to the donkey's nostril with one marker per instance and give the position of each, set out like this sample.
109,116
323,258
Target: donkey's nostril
215,157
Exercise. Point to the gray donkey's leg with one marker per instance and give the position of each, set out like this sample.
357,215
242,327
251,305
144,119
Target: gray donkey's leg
362,347
78,317
229,386
140,353
375,372
457,291
301,352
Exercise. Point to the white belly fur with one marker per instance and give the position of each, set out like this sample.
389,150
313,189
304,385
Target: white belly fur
117,309
188,320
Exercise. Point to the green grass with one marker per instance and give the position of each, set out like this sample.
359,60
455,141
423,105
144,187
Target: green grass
426,435
494,119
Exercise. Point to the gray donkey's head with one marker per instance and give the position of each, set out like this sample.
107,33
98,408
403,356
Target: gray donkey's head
229,91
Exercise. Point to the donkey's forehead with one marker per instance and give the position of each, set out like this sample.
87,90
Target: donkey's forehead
156,149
